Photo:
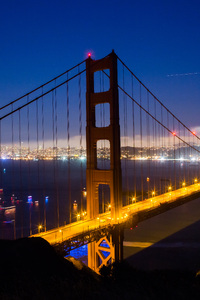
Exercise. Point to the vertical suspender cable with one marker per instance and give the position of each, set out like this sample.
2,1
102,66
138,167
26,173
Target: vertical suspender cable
161,152
68,155
134,152
185,162
43,168
179,153
20,177
189,153
13,168
2,236
174,146
125,141
169,150
148,146
141,144
28,136
81,139
56,162
29,172
13,165
1,158
155,147
53,154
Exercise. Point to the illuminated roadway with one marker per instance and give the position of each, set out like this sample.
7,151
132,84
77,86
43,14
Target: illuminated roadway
72,230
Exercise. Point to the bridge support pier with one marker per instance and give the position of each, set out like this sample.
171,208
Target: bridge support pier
95,176
106,250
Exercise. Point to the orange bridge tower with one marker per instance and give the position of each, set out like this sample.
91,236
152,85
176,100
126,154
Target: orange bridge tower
95,176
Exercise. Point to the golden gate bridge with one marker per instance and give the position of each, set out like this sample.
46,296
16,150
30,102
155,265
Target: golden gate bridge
90,151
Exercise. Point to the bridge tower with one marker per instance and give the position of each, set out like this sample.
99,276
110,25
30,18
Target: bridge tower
95,176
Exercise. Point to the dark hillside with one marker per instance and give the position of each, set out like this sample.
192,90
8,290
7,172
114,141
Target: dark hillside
31,269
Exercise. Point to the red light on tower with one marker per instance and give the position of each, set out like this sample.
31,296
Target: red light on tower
89,54
174,133
193,132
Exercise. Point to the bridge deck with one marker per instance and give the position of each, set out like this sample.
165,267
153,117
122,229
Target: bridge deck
58,235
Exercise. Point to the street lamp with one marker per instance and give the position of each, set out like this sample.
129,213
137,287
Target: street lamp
39,228
133,199
61,231
109,206
78,217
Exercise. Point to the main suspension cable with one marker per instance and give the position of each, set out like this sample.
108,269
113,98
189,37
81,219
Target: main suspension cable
156,98
41,86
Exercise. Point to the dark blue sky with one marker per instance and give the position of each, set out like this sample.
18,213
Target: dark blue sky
42,38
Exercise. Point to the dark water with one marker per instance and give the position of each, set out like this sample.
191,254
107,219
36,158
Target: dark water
41,179
53,179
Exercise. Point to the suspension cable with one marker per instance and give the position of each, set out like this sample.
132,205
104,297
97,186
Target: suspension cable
156,97
41,86
35,99
157,120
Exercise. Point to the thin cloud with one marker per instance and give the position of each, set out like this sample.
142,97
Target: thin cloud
183,74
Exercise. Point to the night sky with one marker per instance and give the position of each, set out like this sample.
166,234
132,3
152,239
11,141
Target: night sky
158,40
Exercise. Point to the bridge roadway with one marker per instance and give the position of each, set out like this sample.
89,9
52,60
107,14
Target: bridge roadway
70,231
